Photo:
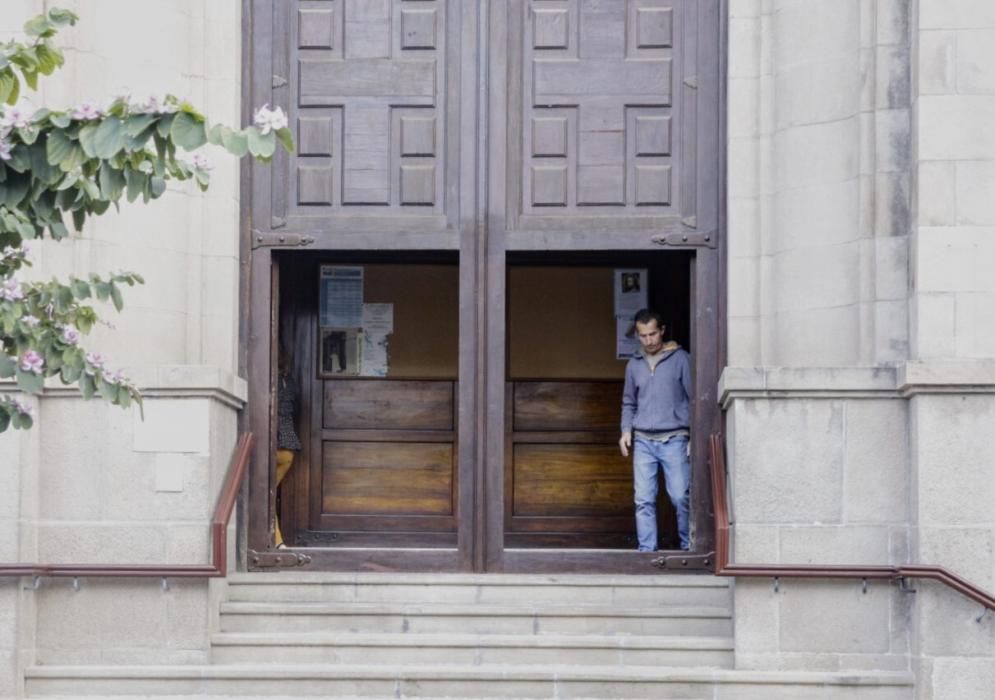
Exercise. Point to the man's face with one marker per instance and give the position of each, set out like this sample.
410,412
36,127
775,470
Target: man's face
650,336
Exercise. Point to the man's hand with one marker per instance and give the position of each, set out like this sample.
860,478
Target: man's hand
624,443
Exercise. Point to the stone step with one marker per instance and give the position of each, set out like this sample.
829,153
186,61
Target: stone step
475,619
629,591
471,650
460,682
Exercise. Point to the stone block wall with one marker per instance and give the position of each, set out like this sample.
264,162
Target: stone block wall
92,483
819,182
861,382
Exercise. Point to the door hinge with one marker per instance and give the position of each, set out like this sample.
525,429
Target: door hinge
280,240
696,240
685,561
279,559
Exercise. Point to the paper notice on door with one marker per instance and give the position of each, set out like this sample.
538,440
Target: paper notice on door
378,318
341,296
375,354
626,342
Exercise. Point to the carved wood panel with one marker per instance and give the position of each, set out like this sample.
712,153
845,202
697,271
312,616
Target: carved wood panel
367,102
602,118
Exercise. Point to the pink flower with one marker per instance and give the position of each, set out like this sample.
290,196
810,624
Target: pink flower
31,361
15,118
87,112
95,360
5,149
22,407
70,335
201,162
11,290
30,321
158,105
270,119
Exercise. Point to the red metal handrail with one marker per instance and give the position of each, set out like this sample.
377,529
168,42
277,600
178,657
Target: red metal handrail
724,568
218,567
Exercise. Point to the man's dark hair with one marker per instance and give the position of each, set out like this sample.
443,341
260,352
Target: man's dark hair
647,315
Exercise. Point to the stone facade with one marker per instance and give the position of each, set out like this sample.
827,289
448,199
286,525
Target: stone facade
106,485
860,379
860,371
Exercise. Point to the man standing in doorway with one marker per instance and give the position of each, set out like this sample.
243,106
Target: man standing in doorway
656,426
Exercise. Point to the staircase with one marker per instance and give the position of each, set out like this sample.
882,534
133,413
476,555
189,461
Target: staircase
468,636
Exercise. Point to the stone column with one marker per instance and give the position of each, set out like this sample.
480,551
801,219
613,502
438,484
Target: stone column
951,379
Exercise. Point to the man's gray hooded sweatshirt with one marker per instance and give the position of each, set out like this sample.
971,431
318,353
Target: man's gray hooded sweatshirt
657,391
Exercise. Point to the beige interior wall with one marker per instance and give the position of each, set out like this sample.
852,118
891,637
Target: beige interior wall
561,323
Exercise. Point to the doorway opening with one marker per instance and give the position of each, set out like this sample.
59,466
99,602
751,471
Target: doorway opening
566,484
373,340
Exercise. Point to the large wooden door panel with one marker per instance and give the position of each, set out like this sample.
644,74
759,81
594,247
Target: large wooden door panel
392,405
571,480
379,478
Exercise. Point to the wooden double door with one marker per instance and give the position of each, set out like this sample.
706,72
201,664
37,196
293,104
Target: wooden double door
448,147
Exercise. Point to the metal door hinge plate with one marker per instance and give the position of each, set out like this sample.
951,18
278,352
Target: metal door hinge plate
280,240
686,561
698,240
279,559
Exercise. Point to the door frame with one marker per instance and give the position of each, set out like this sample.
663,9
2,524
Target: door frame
483,230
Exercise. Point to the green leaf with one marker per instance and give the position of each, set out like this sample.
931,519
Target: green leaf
107,390
109,138
286,138
123,397
261,146
135,183
165,124
14,190
215,135
87,137
20,159
48,60
4,418
61,17
87,386
22,421
8,365
58,230
111,182
74,159
79,217
235,142
116,297
137,123
31,78
8,83
60,119
158,186
38,26
58,146
188,133
80,289
29,382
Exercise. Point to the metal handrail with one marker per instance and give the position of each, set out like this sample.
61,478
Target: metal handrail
892,573
218,566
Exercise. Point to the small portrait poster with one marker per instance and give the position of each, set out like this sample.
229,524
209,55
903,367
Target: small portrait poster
631,293
339,352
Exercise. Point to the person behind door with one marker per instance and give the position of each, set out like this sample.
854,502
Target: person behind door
287,442
655,424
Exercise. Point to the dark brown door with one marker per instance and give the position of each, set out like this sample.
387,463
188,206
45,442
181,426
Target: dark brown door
474,131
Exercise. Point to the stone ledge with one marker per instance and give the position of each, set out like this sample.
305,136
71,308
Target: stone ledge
969,376
166,381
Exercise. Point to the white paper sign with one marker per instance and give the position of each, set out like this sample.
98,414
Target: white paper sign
631,292
378,318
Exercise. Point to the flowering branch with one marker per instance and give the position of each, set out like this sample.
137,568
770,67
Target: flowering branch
62,167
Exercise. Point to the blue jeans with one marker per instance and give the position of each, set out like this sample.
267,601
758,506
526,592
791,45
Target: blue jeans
647,458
